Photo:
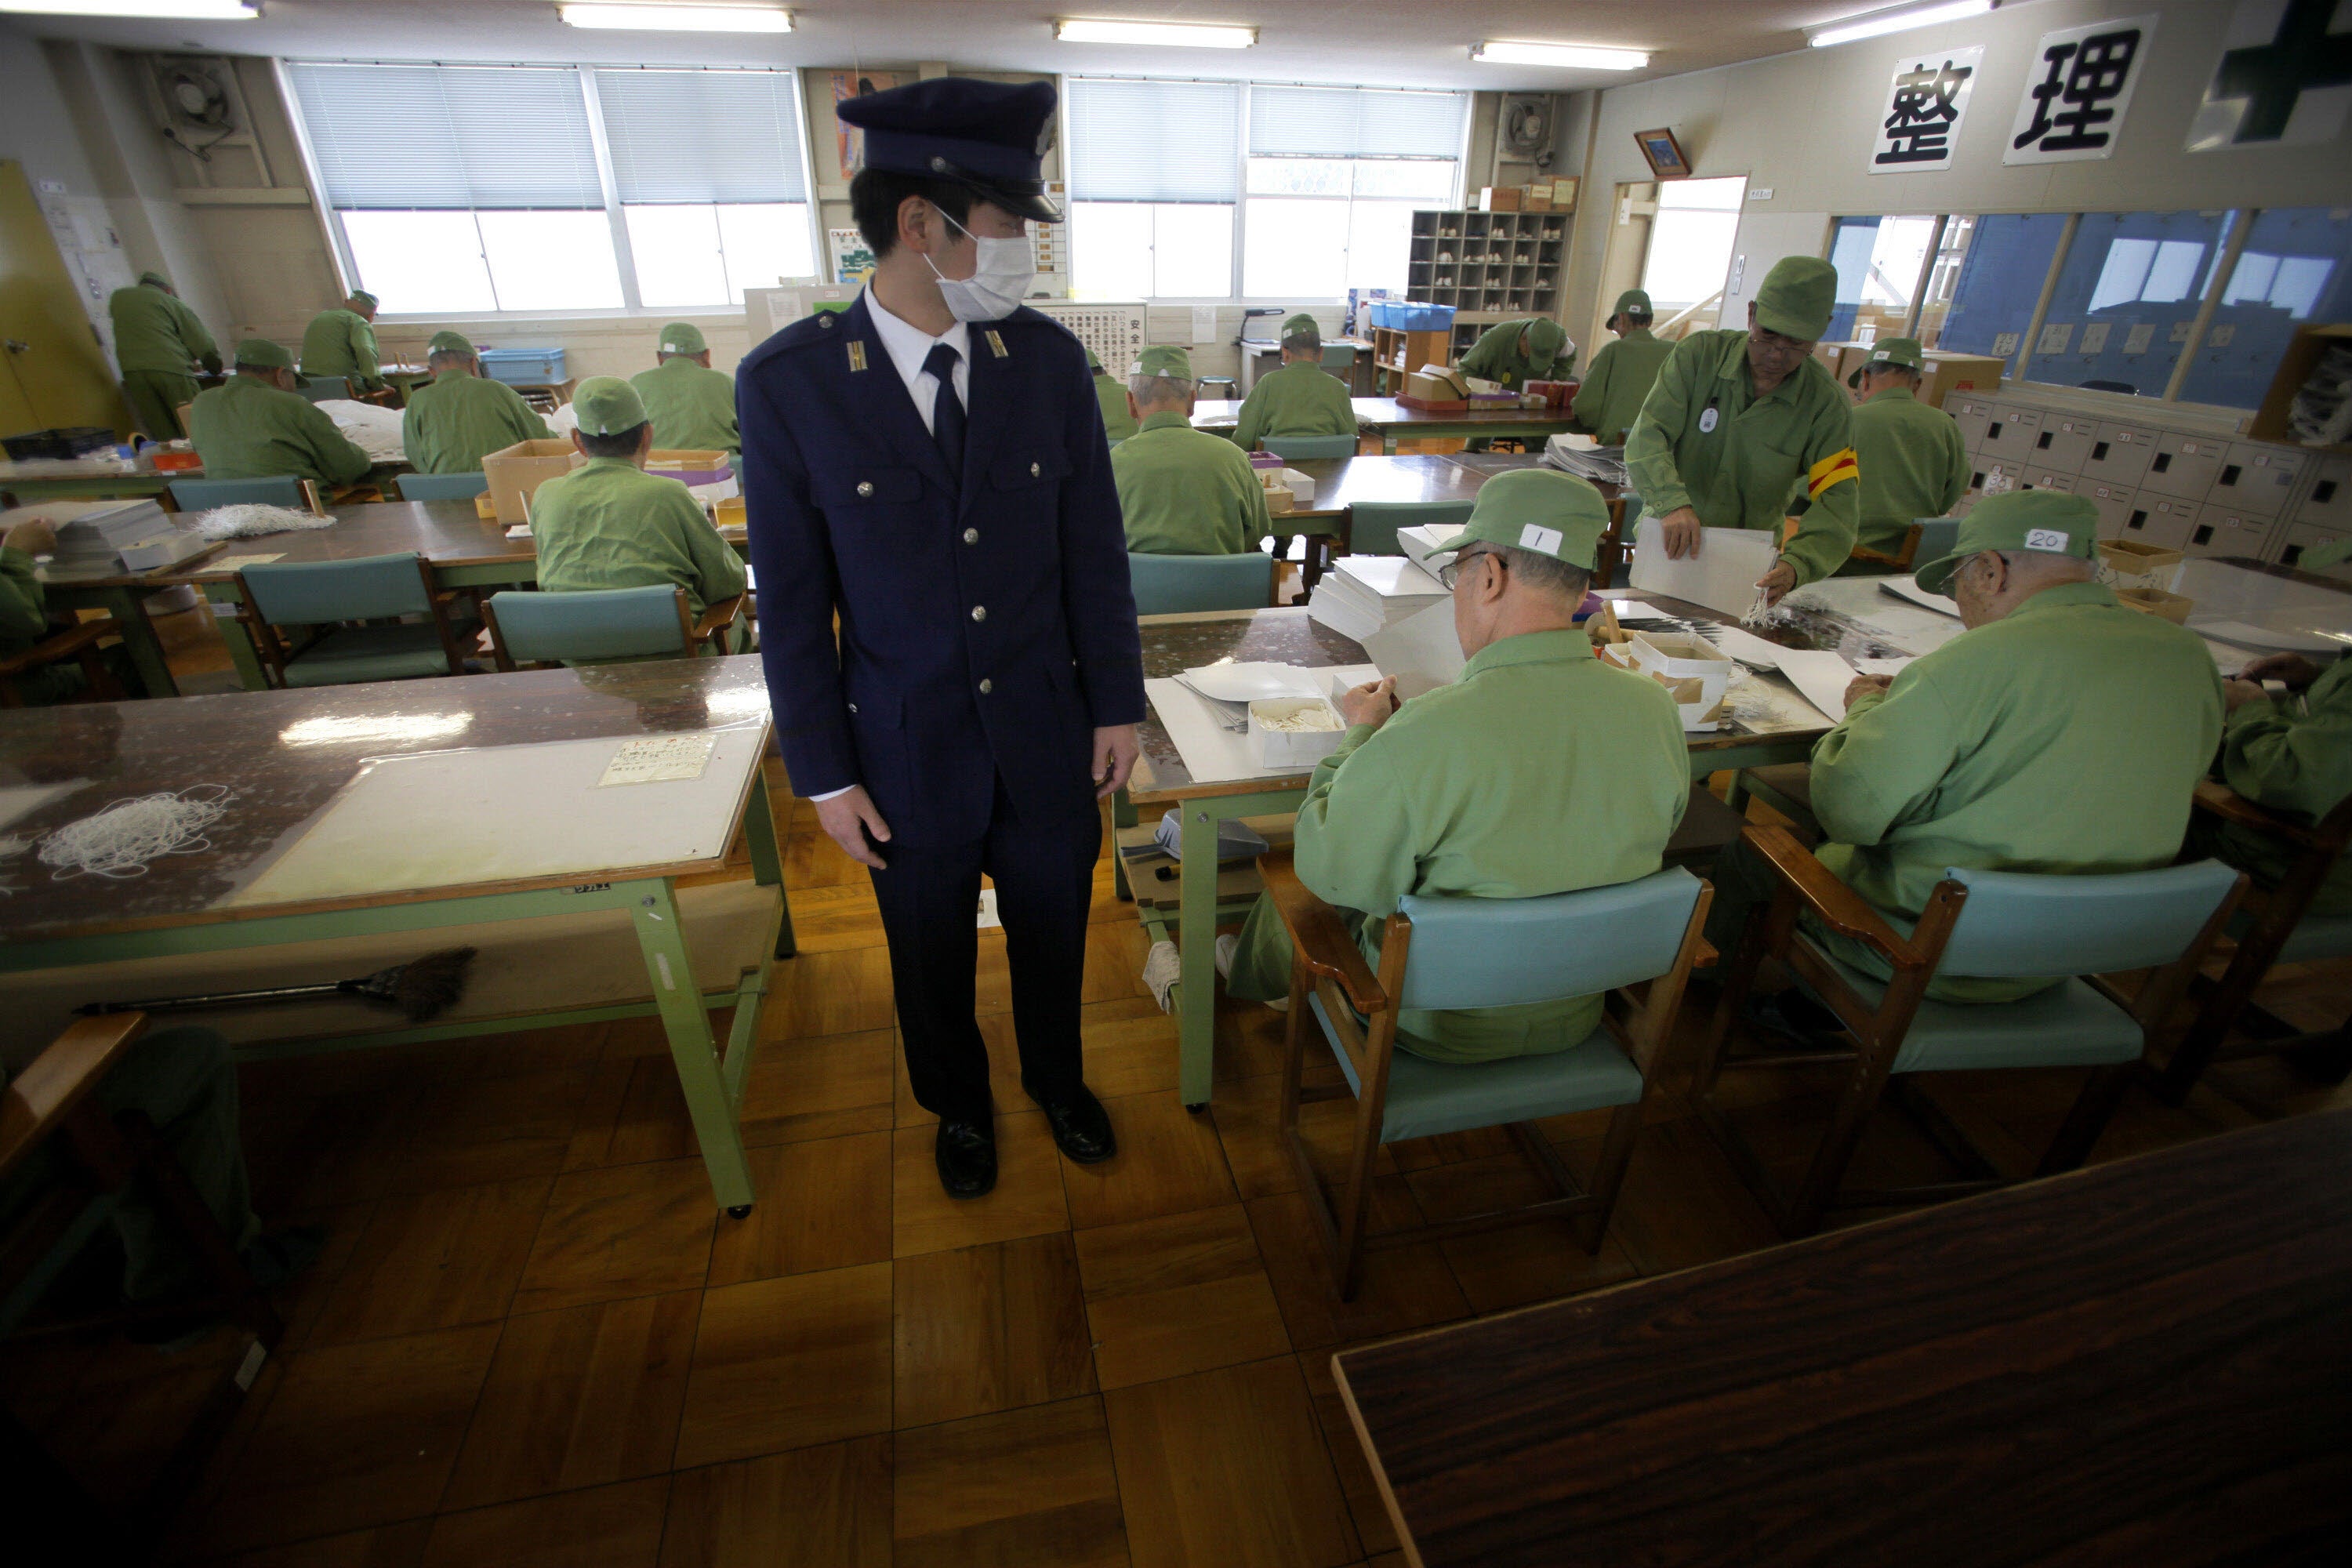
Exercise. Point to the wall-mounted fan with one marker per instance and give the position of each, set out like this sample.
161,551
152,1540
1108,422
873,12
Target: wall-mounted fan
1527,125
194,104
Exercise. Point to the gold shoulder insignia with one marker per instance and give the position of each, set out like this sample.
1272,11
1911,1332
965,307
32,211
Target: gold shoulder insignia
995,344
856,354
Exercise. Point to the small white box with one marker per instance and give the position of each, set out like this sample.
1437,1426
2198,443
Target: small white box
1678,657
1288,748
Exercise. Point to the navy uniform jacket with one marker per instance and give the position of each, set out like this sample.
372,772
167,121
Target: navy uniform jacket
987,626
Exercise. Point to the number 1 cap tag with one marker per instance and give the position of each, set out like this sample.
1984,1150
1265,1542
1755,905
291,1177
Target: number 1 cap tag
1706,421
1539,539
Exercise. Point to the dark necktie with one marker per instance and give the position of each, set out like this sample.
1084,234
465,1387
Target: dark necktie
947,408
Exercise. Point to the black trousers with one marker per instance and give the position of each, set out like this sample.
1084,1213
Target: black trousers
929,899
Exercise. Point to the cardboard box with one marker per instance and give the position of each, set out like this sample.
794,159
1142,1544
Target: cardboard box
2157,602
1536,197
516,472
2131,558
690,466
1294,748
1950,372
1437,381
2273,421
731,513
1434,404
1680,658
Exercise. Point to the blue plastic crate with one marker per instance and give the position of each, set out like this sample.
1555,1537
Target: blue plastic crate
1412,316
525,367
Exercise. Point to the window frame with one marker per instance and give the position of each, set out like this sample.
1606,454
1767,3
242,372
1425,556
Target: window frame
632,308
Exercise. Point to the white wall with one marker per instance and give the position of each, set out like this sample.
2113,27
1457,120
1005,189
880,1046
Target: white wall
1800,125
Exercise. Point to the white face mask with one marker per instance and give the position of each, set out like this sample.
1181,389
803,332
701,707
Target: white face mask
996,288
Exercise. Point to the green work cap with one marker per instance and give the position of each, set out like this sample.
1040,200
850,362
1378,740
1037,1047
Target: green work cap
364,297
2331,554
1162,359
1301,325
607,405
1544,338
264,353
1634,299
1093,364
155,280
1797,298
682,338
449,343
1905,352
1541,509
2050,521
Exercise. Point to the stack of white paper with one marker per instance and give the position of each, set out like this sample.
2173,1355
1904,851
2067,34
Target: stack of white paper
1722,575
1421,546
1363,593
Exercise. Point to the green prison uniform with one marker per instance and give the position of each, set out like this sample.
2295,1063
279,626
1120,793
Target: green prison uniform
2294,757
1619,377
23,621
245,429
1118,423
691,405
342,343
452,420
1913,465
1740,475
1541,771
1495,357
1186,492
1299,399
156,338
609,524
185,1082
2065,738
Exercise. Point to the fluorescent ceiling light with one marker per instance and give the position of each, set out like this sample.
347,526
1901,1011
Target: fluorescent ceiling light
1899,19
1175,35
165,10
1584,56
680,18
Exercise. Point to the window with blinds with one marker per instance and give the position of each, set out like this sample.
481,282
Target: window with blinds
1155,171
461,189
1333,176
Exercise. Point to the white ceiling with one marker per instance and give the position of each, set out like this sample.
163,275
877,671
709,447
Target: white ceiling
1390,43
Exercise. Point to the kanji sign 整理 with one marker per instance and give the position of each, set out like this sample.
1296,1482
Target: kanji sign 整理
2077,91
1924,106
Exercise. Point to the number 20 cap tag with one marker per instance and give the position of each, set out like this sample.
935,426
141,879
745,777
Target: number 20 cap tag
2047,539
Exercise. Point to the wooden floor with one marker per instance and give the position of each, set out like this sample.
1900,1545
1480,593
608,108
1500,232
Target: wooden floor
531,1341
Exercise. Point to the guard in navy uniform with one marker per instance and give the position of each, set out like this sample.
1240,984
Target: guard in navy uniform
931,466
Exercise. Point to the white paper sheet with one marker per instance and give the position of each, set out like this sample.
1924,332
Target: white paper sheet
1722,575
1421,651
2266,639
1211,754
1822,676
1746,647
239,563
1629,611
654,758
1905,588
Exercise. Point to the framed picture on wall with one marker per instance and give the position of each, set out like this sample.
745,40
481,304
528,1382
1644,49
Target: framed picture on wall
1664,154
850,141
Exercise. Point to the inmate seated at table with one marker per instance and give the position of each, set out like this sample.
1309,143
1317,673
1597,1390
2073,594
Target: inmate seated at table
610,524
2062,733
1541,770
1182,491
1301,398
24,620
256,426
462,414
692,406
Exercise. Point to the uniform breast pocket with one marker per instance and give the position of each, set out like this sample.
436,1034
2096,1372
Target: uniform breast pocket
1034,470
864,490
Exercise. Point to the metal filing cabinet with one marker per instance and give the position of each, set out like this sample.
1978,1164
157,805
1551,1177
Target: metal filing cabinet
2064,444
2040,477
2230,530
2162,521
1971,414
2328,503
2185,465
2119,454
2115,503
2257,478
2012,434
2303,536
1990,476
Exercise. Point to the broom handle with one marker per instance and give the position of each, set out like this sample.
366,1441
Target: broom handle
217,999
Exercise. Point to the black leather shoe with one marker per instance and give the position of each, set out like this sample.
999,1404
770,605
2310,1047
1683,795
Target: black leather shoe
1081,1126
966,1154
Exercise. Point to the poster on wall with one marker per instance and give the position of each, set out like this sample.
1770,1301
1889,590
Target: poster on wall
852,258
849,142
2078,92
2284,77
1924,106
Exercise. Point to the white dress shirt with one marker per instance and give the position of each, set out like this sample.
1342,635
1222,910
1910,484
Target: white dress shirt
910,346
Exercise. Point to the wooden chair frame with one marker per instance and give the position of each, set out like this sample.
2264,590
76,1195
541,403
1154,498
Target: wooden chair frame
80,643
55,1099
277,650
711,630
2229,1003
1900,559
1326,964
1803,885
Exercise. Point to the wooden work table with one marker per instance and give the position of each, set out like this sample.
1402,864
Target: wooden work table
1391,420
2146,1363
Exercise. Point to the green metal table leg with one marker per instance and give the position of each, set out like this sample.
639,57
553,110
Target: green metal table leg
700,1075
239,638
129,609
767,863
1196,928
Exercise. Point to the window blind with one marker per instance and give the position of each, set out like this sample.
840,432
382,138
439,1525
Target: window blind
1154,141
428,137
1354,123
702,135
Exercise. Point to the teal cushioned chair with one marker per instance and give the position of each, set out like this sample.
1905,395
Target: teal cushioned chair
328,600
1307,448
282,489
1187,585
1466,953
1340,359
2075,929
442,487
599,625
1372,525
2277,926
319,388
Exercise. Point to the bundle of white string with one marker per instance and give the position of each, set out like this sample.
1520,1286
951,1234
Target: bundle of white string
120,841
250,520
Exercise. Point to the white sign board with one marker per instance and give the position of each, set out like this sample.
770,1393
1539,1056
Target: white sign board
1925,102
2078,91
